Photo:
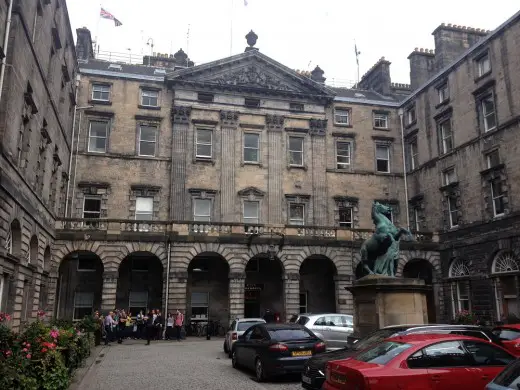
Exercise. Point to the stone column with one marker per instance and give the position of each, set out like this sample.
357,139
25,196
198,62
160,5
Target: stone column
344,300
180,119
229,123
277,163
108,293
320,198
292,295
237,281
178,291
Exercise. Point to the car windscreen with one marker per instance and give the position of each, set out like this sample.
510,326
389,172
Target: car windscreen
510,376
245,325
302,320
374,338
382,353
290,334
507,333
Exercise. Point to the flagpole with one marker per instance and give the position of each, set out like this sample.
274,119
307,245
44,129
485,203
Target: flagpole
97,28
231,30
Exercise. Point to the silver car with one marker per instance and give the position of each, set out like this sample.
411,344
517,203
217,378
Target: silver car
332,328
237,328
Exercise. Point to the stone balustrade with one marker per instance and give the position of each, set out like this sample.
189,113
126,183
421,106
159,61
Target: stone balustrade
185,228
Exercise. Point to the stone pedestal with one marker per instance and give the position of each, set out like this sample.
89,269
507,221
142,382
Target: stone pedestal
380,301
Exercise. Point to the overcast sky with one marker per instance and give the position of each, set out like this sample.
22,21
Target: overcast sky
298,33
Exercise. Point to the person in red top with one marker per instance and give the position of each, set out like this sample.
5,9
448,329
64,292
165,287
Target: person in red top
179,321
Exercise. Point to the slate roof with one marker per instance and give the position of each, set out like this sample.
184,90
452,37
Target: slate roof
130,71
363,96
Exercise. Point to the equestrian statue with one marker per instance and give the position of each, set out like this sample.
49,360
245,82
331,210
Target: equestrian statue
380,253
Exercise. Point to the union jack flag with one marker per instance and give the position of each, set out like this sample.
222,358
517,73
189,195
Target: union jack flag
107,15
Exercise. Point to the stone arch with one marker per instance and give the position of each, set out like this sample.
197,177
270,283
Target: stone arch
432,258
504,270
184,254
260,249
158,249
34,247
67,248
505,261
317,284
328,252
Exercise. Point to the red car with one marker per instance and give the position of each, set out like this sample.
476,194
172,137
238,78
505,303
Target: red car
509,335
420,362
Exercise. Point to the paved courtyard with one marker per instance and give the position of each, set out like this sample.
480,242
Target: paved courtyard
190,364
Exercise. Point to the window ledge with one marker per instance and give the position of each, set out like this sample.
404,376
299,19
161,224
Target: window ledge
346,125
257,164
383,173
100,102
443,103
382,128
303,167
481,77
410,124
490,132
146,157
492,169
207,160
156,108
449,186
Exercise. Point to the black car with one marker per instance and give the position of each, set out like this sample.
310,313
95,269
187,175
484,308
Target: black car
313,374
275,349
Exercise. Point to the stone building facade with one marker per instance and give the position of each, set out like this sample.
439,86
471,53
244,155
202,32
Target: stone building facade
461,132
235,186
36,114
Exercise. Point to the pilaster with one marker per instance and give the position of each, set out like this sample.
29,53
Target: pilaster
317,131
178,291
229,123
108,294
236,295
276,164
180,116
344,299
292,294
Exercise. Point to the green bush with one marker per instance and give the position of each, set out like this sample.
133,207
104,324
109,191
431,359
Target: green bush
42,356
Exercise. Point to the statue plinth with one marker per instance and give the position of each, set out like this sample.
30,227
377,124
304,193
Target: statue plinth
380,301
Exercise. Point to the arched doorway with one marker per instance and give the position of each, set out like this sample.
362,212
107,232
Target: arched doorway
33,250
423,270
140,283
208,289
80,283
505,272
264,286
317,285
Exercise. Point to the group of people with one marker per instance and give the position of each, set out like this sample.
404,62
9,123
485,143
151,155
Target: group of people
118,325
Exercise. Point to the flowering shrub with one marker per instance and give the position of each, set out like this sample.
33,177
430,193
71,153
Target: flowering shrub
465,317
41,357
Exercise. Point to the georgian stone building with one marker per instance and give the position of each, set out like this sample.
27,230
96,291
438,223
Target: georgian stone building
462,132
36,114
227,188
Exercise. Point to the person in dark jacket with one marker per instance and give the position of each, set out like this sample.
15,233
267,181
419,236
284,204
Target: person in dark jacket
159,325
269,316
150,327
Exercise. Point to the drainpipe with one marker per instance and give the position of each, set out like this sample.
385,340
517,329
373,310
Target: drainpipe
404,170
78,77
169,258
6,42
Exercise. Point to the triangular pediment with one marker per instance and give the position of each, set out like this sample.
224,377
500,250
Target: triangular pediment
251,71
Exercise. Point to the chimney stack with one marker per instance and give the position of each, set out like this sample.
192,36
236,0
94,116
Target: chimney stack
377,78
452,40
84,49
422,66
317,75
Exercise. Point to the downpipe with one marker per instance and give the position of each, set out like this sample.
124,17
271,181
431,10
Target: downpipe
71,156
169,257
404,171
6,43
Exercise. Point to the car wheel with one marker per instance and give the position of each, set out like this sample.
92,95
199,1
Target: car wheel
234,361
226,350
259,371
230,354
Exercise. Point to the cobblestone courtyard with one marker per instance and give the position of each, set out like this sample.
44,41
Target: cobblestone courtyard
190,364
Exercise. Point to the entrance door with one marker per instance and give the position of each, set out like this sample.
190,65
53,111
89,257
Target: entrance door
252,304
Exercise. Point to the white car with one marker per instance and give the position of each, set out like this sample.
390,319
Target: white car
237,328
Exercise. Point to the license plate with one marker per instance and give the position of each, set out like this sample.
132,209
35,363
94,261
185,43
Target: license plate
338,379
302,353
306,379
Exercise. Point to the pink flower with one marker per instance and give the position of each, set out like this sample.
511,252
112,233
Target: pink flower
24,350
28,356
44,350
9,353
54,334
28,345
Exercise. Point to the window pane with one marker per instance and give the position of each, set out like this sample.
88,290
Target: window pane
148,133
345,217
251,140
199,299
250,155
290,334
382,152
296,158
147,148
202,209
448,354
144,204
296,144
250,209
204,150
382,166
98,129
382,353
92,205
83,299
204,136
343,148
487,355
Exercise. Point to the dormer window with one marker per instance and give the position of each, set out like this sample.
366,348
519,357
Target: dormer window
115,67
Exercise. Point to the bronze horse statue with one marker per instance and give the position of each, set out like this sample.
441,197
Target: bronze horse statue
380,253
